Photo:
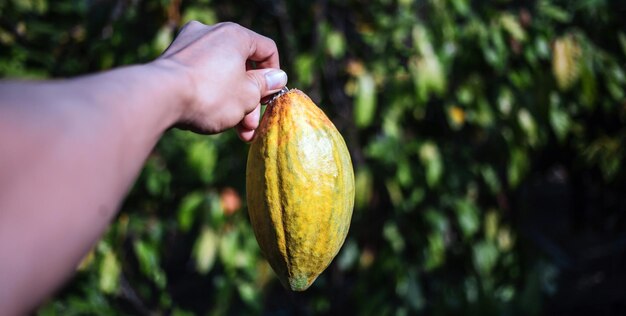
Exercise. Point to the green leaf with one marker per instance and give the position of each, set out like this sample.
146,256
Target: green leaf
363,185
559,120
188,209
110,271
528,125
163,39
205,250
505,101
248,293
228,248
335,44
468,217
348,256
304,67
485,256
395,193
483,116
202,157
149,262
435,253
394,237
426,69
430,158
365,101
566,60
588,85
201,14
512,26
491,223
622,41
462,7
554,12
157,177
518,165
491,179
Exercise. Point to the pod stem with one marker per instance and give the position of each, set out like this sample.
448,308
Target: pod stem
277,94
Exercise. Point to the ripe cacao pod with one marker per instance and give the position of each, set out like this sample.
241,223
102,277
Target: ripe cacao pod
300,189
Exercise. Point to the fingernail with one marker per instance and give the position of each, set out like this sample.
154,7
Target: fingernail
275,79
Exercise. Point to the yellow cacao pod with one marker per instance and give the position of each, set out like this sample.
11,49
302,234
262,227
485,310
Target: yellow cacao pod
300,189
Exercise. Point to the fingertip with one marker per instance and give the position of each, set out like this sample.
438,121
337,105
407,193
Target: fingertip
251,120
276,79
267,81
245,134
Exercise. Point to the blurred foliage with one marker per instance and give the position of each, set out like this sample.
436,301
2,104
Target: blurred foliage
487,137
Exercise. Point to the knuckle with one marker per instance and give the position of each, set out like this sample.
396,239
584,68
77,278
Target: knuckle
228,26
273,43
193,24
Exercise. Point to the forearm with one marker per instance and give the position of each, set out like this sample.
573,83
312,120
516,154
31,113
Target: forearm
70,151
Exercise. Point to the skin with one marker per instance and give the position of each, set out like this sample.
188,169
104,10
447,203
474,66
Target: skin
71,149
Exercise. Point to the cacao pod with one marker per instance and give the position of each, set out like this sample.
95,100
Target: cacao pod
300,189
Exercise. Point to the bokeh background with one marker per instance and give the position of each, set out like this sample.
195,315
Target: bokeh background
488,140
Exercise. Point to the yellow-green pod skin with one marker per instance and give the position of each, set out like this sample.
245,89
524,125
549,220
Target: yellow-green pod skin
300,189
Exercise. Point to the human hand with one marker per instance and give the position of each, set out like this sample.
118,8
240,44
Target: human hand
221,88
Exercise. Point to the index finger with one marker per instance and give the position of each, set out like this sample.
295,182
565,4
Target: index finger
262,50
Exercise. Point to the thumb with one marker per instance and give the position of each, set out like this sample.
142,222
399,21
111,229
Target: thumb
268,80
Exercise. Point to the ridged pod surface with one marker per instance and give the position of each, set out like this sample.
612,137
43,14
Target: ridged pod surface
300,189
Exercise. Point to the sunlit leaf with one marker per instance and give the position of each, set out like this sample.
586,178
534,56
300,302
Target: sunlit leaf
430,158
506,239
205,250
365,101
426,69
335,44
163,39
491,224
304,66
248,293
512,26
110,271
528,125
201,14
505,101
461,6
566,57
485,256
467,216
456,117
363,188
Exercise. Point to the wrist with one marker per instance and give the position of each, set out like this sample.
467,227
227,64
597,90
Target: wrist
173,78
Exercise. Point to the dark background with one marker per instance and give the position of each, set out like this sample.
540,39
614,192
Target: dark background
487,139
